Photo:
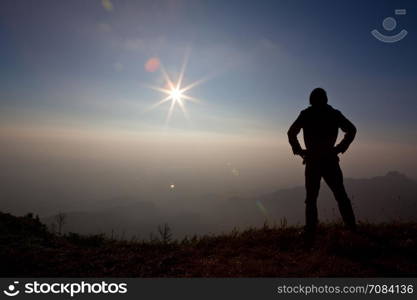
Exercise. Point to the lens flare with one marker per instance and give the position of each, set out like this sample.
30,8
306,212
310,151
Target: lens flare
152,64
262,208
107,5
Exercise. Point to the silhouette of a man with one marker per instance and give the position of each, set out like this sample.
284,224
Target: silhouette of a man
320,123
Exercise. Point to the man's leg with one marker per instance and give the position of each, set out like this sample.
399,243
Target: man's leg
333,176
312,183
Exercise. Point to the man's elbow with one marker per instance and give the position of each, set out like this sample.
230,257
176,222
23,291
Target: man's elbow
291,133
353,130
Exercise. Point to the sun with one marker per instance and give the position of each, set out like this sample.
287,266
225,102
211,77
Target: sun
175,92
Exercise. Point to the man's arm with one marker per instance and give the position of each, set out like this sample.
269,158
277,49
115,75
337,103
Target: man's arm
350,132
292,135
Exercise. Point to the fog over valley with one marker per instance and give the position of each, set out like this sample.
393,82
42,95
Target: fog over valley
129,183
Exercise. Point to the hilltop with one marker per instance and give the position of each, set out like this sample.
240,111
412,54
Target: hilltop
28,249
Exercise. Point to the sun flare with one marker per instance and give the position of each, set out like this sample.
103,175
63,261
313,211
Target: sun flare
175,91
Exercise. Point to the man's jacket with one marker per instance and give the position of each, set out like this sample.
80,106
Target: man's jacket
320,126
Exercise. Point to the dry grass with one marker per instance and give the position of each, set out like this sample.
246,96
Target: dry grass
377,250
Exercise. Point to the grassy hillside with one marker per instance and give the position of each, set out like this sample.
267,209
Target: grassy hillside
27,249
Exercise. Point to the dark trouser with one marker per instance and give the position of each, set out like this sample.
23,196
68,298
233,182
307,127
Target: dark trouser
329,169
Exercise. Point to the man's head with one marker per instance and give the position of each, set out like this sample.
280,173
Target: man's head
318,97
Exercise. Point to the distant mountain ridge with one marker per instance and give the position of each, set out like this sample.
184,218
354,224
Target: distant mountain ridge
377,199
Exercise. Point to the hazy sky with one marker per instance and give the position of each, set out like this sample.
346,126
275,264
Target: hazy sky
74,88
